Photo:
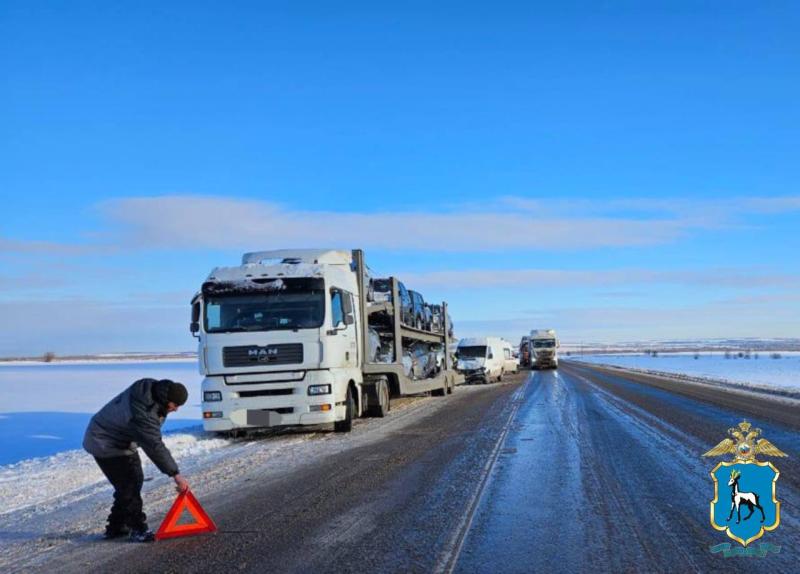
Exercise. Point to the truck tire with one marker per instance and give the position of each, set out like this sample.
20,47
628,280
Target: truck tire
346,425
440,392
500,376
381,409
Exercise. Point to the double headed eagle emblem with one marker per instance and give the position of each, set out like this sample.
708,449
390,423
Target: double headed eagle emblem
744,444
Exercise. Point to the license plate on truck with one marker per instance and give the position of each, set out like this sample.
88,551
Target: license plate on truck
263,418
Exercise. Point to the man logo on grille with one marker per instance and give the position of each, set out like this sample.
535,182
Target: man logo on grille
262,354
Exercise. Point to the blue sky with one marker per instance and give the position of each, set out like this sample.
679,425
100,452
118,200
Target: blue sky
625,171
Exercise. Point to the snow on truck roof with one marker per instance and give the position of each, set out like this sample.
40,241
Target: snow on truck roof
284,263
479,341
254,270
295,256
540,333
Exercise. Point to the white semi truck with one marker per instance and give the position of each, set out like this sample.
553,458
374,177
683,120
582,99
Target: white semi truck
286,338
543,344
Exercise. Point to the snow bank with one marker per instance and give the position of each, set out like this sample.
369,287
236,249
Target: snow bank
41,484
777,376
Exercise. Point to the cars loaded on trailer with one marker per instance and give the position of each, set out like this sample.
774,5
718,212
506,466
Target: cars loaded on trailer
418,306
290,338
382,292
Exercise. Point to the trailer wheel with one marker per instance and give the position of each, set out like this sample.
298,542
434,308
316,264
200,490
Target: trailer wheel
451,386
382,408
347,424
440,392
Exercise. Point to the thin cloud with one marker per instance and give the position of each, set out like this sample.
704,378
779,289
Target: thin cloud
76,326
720,209
482,278
616,324
212,222
29,282
47,248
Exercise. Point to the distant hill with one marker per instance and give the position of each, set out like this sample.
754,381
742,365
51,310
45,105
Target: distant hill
685,345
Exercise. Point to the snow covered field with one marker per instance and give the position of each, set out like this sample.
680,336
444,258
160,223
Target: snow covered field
45,407
783,373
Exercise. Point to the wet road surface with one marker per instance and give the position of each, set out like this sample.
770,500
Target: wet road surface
603,473
583,469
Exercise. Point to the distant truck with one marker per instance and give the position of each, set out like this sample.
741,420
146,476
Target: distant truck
481,359
525,352
543,345
291,338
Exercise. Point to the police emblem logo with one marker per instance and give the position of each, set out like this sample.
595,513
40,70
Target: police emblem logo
745,503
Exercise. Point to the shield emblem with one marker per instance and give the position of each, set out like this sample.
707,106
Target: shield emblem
744,504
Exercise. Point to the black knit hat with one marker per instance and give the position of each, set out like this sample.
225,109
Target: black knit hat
177,393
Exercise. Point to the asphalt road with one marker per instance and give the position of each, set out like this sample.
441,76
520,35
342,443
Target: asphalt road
604,473
578,470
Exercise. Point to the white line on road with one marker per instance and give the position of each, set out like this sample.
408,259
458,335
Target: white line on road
449,558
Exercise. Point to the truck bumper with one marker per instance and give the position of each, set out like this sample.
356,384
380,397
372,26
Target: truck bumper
271,404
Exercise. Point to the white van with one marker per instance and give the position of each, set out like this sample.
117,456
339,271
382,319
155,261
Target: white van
510,362
482,359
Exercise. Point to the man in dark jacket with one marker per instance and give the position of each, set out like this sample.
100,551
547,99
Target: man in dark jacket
132,419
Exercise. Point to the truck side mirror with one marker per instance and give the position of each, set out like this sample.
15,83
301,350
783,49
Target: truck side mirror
194,326
349,319
491,356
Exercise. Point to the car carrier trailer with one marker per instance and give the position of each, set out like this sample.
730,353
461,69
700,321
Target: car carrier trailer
284,339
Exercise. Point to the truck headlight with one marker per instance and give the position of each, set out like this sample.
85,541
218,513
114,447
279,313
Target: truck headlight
212,396
319,390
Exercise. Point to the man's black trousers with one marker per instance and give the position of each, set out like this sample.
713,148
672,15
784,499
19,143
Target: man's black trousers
125,475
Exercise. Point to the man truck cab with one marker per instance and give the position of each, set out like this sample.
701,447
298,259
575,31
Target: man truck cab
481,360
544,349
265,325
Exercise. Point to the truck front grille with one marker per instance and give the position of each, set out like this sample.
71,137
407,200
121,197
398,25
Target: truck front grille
266,393
254,355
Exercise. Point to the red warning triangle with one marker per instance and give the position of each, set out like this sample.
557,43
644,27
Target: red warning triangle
170,527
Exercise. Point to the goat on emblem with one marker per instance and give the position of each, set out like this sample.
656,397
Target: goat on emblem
738,498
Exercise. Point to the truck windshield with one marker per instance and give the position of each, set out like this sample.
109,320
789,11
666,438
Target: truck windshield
278,305
544,344
472,352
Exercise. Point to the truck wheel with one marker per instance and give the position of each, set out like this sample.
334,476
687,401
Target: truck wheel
500,377
451,386
440,392
347,424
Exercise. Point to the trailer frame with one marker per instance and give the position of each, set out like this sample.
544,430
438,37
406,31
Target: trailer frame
393,373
